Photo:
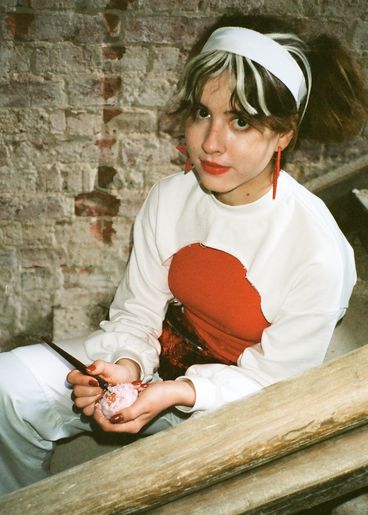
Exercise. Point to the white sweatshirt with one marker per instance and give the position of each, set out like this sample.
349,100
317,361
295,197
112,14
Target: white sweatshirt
295,256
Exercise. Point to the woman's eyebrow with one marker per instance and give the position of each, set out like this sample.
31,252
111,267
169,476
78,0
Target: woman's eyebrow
228,112
236,112
201,105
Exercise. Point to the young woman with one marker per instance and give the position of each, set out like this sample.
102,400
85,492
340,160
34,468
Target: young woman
238,274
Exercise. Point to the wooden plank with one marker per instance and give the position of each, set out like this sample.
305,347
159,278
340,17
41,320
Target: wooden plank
341,180
279,420
301,480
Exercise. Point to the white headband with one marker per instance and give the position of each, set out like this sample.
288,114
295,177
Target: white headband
262,50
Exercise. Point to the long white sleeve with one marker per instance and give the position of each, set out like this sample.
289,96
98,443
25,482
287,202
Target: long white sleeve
296,340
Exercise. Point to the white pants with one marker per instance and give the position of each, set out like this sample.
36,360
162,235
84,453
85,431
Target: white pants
36,410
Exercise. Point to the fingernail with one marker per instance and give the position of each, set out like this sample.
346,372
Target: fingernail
91,368
136,383
93,382
116,419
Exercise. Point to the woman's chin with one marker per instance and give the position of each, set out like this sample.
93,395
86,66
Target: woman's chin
214,183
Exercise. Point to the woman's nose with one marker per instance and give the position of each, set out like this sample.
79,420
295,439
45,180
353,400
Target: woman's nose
214,139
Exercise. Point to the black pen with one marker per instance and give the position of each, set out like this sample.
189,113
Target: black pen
75,362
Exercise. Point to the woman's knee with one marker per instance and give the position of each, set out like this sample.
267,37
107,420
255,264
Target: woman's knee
18,388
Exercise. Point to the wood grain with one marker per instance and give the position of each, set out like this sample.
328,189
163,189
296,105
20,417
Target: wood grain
301,480
281,419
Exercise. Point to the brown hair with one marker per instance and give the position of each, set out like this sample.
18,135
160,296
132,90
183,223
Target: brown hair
338,103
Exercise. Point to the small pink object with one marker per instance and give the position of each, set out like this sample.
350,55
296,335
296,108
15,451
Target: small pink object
117,398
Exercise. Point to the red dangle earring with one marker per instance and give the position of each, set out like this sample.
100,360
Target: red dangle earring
183,150
276,172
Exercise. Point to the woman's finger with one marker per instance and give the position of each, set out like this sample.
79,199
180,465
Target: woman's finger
132,426
86,391
82,402
97,367
76,377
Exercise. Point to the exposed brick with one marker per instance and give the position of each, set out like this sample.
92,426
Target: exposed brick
110,87
105,176
109,114
103,231
113,22
19,24
108,150
105,142
96,203
120,4
113,52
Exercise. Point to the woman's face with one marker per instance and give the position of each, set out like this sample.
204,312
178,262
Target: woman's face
231,158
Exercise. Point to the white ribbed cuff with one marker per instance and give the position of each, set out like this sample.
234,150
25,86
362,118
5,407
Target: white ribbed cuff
132,357
205,392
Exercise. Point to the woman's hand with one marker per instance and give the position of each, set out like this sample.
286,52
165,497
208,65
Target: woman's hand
86,389
151,402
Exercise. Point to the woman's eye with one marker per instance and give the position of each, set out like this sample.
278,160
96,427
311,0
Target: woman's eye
202,113
240,123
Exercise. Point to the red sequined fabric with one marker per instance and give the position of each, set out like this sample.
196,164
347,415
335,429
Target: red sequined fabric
181,347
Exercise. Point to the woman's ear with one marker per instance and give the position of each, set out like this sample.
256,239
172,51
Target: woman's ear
284,139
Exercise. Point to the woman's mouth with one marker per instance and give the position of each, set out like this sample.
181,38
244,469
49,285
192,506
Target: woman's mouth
214,168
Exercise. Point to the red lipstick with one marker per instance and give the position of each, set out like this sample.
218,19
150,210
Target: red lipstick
214,168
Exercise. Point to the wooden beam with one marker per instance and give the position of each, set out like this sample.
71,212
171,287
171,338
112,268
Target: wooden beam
341,180
279,420
301,480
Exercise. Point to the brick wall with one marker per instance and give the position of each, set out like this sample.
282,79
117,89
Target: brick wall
83,86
